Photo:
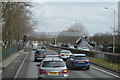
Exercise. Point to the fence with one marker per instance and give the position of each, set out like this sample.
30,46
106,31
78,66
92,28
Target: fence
6,52
110,57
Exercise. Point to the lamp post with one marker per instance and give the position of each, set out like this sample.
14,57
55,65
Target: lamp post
113,28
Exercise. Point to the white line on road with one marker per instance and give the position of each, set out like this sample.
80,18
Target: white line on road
105,72
20,67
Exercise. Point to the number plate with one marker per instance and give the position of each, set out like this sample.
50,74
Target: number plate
81,61
66,55
53,73
41,55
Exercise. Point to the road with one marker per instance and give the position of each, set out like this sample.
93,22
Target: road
29,70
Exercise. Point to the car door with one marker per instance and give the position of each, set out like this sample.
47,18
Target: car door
69,60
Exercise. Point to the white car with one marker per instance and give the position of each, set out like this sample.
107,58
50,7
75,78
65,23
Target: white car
71,46
85,49
64,54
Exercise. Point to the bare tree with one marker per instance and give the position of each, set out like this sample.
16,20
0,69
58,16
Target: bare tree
17,20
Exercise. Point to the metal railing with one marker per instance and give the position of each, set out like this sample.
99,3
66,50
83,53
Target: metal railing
6,52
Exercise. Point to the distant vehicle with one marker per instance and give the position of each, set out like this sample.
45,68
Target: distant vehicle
80,48
52,68
78,61
35,45
54,45
83,48
40,46
65,54
39,54
71,46
43,47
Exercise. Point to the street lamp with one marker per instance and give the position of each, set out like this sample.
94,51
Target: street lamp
113,31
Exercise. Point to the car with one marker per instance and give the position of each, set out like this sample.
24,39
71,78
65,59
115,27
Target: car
64,54
85,49
52,68
78,61
39,54
35,45
71,46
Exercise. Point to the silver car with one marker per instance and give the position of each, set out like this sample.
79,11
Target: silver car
52,68
64,54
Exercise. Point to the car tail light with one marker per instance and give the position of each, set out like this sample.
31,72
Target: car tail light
87,60
42,71
46,54
62,54
64,71
35,54
74,61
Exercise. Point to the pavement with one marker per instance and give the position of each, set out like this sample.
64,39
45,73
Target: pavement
9,60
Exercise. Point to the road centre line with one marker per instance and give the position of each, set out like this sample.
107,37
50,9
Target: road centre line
20,68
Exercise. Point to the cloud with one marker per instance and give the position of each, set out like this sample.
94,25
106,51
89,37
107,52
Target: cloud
52,17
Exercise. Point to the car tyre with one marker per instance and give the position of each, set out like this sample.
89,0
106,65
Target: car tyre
35,60
87,68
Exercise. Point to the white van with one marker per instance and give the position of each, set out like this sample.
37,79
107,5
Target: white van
35,45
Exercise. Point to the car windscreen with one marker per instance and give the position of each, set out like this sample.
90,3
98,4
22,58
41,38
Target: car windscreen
53,64
40,52
80,57
65,52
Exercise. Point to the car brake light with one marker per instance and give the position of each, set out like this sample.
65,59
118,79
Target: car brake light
35,54
74,61
87,61
64,71
62,54
46,54
42,71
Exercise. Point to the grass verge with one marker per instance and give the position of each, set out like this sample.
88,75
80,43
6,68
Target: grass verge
104,63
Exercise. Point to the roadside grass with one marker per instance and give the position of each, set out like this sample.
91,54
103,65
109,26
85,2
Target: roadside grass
98,61
104,63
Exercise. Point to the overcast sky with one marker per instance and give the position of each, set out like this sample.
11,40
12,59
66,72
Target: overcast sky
58,16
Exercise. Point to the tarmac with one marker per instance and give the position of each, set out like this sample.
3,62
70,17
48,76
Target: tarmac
9,60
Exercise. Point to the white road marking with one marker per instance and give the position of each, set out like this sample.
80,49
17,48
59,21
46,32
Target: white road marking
20,67
105,72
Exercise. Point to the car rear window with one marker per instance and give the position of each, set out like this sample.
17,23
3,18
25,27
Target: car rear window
40,52
66,52
80,57
53,64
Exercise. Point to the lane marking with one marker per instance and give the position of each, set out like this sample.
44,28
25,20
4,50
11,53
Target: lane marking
20,67
105,72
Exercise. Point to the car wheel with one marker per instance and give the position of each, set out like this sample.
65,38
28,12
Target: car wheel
39,78
87,68
35,60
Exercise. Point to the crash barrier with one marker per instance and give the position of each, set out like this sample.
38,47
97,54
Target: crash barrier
110,57
6,52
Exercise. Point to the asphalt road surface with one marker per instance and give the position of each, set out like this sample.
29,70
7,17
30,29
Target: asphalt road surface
29,69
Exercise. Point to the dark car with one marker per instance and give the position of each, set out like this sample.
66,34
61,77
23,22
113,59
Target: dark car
78,61
39,54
